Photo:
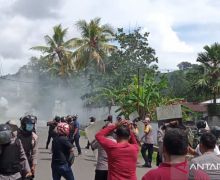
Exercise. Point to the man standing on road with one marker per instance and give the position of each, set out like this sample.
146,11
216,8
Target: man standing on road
51,133
76,135
63,154
148,143
123,154
92,121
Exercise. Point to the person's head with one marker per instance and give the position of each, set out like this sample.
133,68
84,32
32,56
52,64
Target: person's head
123,133
57,119
63,129
28,123
201,124
5,134
69,119
119,118
207,142
75,117
175,143
146,121
92,119
135,125
109,118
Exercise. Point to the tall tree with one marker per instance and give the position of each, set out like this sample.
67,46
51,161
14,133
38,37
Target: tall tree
58,52
133,53
210,59
93,46
184,65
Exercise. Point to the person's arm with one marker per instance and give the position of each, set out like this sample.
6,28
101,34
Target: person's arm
192,151
34,153
147,129
71,157
76,129
133,140
103,140
69,146
94,144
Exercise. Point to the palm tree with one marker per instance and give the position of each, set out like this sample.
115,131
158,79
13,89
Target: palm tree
93,46
210,60
57,52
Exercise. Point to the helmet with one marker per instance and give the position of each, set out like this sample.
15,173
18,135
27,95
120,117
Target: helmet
75,116
69,119
63,129
201,124
5,134
28,122
29,119
57,119
63,119
92,119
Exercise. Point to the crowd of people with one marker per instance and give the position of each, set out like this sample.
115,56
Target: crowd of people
118,143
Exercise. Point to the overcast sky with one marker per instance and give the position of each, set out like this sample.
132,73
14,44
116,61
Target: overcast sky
178,28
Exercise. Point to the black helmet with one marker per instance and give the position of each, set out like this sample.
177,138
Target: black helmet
29,119
201,124
75,116
57,119
92,119
5,134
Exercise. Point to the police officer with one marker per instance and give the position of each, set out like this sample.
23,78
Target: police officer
12,156
29,140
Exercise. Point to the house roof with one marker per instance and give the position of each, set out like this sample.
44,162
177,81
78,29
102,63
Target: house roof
196,107
210,101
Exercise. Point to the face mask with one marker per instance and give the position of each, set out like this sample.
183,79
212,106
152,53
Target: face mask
29,127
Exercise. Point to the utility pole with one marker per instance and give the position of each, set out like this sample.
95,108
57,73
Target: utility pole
138,90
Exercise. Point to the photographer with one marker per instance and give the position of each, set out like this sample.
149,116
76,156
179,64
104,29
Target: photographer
203,128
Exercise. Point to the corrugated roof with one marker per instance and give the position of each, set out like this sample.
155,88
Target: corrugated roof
196,107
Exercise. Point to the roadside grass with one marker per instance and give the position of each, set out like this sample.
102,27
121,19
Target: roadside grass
154,157
82,133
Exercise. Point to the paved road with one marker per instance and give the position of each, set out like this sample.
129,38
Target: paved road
83,167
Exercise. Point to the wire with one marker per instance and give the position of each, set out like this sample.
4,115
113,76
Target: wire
3,78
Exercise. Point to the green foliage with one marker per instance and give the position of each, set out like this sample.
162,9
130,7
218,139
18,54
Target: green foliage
184,65
210,60
57,56
133,53
141,97
93,45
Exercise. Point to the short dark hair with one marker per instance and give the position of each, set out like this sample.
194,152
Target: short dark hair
175,141
123,132
208,140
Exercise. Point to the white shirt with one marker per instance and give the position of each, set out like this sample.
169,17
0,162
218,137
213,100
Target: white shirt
216,150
